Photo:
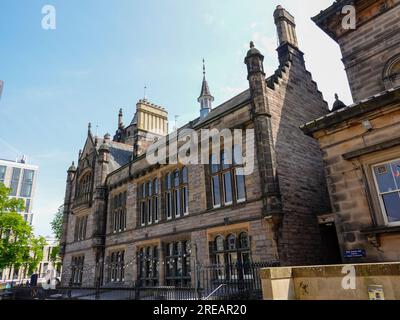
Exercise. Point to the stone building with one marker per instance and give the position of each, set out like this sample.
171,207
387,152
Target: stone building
361,142
127,220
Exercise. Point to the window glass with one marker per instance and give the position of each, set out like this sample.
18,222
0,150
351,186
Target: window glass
214,163
240,188
237,155
244,241
216,191
388,184
185,175
384,177
14,181
231,242
227,188
176,178
27,205
2,173
392,206
396,173
219,243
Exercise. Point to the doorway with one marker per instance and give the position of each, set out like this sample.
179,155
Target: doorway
330,243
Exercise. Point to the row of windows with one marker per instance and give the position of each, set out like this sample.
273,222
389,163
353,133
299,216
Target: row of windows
116,267
176,194
148,266
225,252
177,265
80,228
118,212
27,181
77,270
149,202
227,184
178,272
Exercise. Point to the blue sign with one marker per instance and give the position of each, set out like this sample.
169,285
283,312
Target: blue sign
357,253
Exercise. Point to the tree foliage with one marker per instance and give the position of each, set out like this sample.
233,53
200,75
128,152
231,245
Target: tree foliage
15,236
36,253
57,222
18,245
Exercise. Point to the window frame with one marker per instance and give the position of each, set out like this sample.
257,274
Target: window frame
218,173
379,194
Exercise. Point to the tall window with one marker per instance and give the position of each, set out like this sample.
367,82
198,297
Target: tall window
77,270
176,193
84,188
155,201
27,182
116,267
227,182
15,181
118,212
178,272
80,228
168,196
387,178
232,256
149,205
2,173
148,266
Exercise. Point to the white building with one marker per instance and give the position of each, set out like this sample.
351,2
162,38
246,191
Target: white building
21,178
47,267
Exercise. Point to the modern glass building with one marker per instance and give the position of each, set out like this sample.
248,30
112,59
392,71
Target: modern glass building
20,177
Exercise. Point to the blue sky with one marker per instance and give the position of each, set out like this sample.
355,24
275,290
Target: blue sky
103,53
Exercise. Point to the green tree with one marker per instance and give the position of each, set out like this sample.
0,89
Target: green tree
8,204
15,236
56,226
18,245
36,247
57,222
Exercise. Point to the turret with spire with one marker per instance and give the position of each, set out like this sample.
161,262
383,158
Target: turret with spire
205,99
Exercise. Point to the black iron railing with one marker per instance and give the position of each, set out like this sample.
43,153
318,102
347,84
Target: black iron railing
213,282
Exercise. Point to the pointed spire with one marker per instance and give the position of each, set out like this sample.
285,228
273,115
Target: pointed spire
120,119
338,104
89,128
205,98
205,90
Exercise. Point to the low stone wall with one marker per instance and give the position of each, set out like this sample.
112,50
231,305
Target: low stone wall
339,282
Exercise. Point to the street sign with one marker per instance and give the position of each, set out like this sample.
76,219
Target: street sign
356,253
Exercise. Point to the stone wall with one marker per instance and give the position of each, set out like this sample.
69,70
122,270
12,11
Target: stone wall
331,282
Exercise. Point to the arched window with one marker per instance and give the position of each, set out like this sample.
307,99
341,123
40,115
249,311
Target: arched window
84,188
244,241
391,73
231,242
232,256
219,243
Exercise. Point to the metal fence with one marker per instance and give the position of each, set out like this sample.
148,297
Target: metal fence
214,282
